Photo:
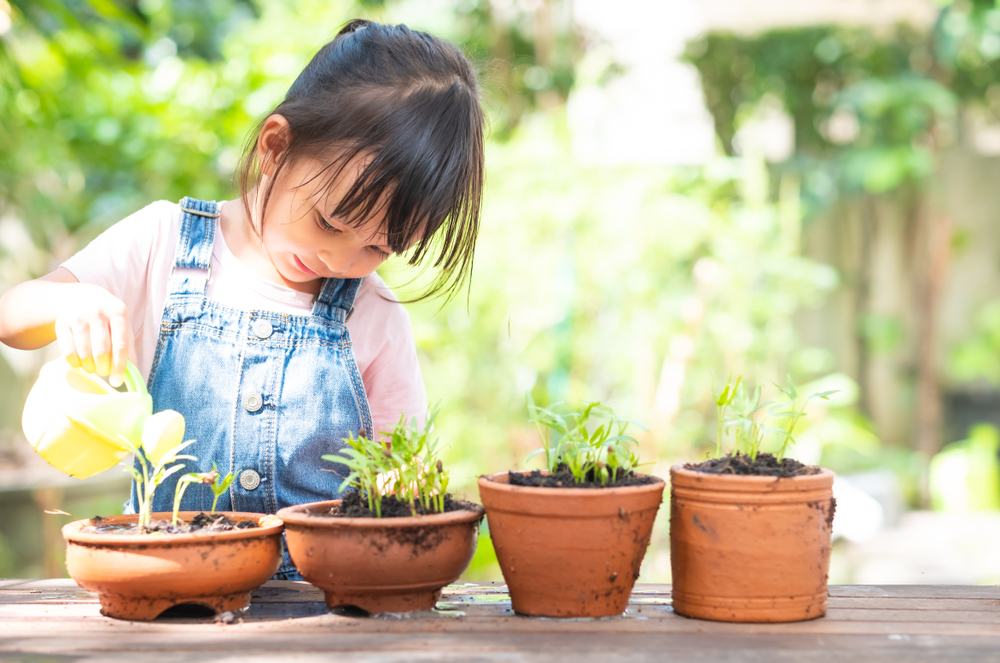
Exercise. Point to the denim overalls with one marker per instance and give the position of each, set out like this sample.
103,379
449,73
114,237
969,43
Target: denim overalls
265,394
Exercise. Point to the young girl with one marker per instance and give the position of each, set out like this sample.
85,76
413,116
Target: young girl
262,320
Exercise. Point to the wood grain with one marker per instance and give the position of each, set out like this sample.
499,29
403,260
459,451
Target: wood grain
56,620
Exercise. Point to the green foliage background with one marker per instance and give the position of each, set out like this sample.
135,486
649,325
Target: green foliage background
640,287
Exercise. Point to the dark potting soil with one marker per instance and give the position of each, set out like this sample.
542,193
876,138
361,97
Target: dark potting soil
765,465
563,478
203,522
353,505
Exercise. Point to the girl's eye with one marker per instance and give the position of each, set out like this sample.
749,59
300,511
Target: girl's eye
326,226
378,252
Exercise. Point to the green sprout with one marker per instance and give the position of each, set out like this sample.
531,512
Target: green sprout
212,479
743,413
182,484
404,463
151,474
722,401
219,484
604,453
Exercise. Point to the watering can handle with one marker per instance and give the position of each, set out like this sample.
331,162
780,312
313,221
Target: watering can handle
133,379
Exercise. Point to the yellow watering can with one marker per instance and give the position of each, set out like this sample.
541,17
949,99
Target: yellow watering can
82,426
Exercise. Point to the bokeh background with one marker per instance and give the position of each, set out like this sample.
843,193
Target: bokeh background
678,190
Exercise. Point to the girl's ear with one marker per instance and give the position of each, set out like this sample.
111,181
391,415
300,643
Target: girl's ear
273,140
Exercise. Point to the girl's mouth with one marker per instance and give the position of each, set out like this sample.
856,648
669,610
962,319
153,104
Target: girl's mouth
301,266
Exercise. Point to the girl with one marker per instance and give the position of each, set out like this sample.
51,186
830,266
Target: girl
262,320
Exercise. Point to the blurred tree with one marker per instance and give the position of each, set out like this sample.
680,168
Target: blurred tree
874,114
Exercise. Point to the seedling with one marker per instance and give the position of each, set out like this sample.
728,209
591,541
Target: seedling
182,484
722,401
219,484
152,474
742,412
405,463
212,479
603,453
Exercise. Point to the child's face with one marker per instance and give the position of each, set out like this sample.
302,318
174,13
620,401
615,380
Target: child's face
305,241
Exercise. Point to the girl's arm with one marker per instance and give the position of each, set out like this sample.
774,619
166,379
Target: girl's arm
90,324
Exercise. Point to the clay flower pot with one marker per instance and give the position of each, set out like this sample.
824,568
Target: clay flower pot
569,552
138,576
750,548
380,564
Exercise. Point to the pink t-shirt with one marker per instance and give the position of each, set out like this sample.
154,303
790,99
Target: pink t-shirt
132,260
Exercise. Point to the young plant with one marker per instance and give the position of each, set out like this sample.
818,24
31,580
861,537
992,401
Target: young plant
743,413
152,473
212,479
182,484
405,463
604,453
722,401
219,484
793,414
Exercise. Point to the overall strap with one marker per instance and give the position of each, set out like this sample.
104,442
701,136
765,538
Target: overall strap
336,299
194,246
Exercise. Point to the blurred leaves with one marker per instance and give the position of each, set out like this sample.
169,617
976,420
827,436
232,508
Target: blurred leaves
621,284
109,105
978,358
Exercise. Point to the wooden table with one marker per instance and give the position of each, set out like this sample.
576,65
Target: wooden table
54,620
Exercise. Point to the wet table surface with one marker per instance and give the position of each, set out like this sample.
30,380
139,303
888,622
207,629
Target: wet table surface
49,621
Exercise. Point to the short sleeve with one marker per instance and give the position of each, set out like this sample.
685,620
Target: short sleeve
127,260
387,357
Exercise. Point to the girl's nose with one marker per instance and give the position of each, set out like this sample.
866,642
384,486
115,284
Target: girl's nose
337,262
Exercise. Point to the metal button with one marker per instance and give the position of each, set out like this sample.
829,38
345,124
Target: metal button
252,402
263,329
249,479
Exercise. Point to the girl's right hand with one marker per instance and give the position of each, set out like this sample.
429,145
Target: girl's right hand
94,333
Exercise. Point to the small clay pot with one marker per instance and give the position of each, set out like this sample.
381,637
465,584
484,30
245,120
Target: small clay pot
380,564
138,576
750,548
569,552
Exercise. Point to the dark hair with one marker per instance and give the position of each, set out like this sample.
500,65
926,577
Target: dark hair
408,103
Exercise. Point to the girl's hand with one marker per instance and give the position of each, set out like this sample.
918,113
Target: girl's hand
94,333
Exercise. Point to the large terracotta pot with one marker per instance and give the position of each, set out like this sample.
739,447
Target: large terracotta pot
380,564
750,548
138,576
569,552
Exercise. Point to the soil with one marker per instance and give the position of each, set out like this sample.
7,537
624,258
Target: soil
354,505
203,522
563,478
765,465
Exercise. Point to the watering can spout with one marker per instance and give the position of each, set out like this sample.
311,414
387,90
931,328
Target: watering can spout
82,426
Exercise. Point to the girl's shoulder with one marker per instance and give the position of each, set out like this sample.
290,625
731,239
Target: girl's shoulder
375,294
162,213
377,309
143,229
134,239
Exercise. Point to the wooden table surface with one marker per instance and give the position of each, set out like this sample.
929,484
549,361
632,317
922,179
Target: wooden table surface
54,621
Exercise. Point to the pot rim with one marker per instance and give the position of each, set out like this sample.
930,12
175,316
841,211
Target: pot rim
300,515
269,525
760,478
692,479
491,481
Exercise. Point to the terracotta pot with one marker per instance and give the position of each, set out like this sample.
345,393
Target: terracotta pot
380,564
138,576
569,552
750,548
